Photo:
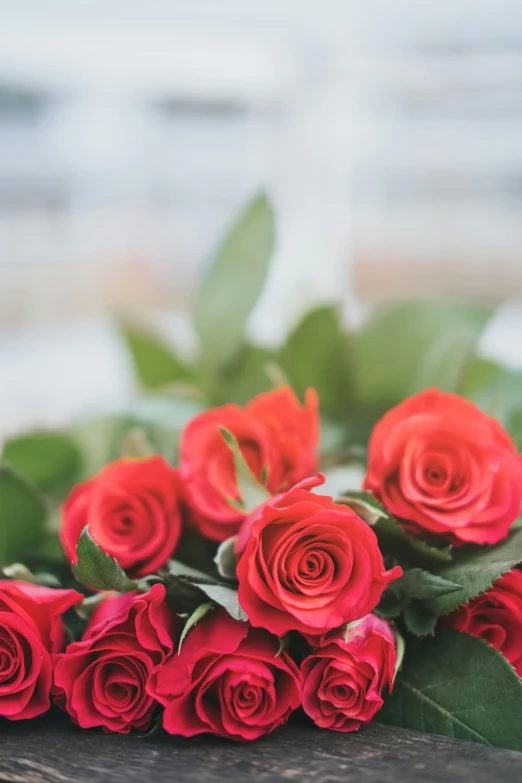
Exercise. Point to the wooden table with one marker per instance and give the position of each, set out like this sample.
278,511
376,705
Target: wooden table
50,750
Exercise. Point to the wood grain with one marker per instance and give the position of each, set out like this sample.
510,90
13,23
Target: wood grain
52,751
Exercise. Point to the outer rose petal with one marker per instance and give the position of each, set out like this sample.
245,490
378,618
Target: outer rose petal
30,628
133,509
445,468
101,680
344,680
278,438
227,680
293,427
46,605
496,617
309,565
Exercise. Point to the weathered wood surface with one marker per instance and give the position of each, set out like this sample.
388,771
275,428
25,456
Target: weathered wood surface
51,751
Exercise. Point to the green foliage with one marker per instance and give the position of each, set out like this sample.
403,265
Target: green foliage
225,597
419,620
232,284
96,569
22,516
247,375
417,583
226,558
411,346
155,363
498,391
459,686
476,568
318,354
22,573
251,492
392,538
193,620
191,585
50,460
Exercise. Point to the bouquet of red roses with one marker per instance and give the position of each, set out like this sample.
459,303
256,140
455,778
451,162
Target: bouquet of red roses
209,579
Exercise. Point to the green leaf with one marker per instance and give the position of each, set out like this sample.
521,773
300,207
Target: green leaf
226,558
155,363
250,373
20,572
419,620
156,729
251,492
233,283
400,649
364,505
393,540
417,583
96,569
476,568
86,608
406,348
50,460
22,516
194,618
498,391
318,353
221,594
225,597
458,686
177,568
391,603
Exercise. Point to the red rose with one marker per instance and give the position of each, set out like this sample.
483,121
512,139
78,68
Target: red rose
227,680
344,680
308,564
133,512
443,467
101,681
278,438
495,616
31,629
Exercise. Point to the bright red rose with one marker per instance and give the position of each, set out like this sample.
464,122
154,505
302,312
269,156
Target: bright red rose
227,680
31,629
101,681
344,680
445,468
495,616
307,564
278,438
132,508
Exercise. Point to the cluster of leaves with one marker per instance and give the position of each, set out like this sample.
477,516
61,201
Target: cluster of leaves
449,683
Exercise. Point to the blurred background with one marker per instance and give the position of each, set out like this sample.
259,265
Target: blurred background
387,133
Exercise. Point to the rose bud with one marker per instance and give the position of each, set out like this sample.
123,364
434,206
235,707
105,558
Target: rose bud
445,468
278,438
307,564
101,680
132,508
496,617
344,678
229,679
31,630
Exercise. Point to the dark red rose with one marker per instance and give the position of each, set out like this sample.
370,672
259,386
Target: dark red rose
307,564
101,681
495,616
278,438
227,680
132,508
445,468
31,629
344,679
